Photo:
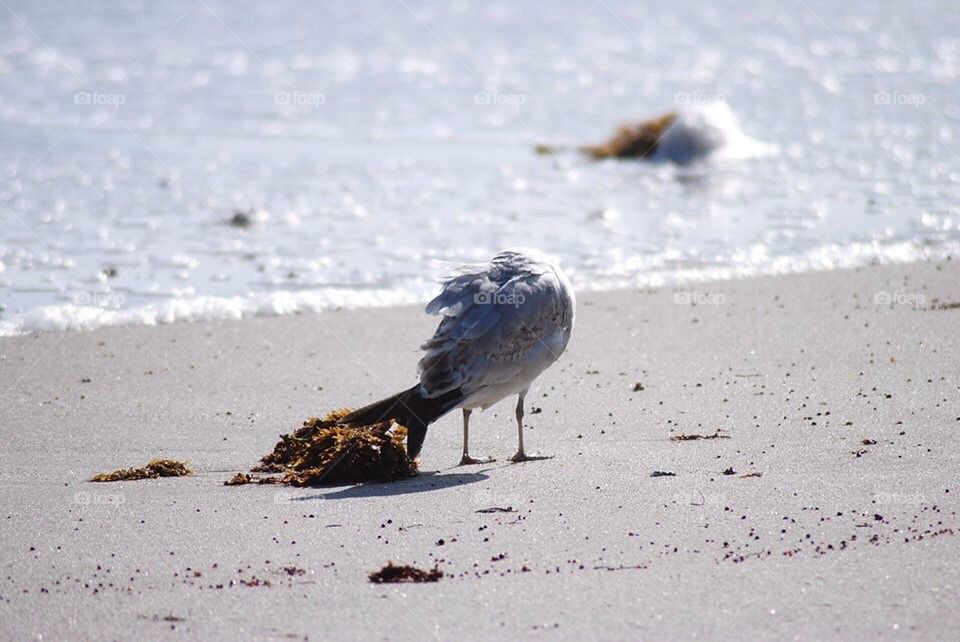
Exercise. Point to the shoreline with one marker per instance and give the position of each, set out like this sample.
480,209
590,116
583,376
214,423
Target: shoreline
111,307
840,388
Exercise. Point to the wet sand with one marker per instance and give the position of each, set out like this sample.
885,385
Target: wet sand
825,507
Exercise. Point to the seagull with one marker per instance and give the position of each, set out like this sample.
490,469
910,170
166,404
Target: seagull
502,324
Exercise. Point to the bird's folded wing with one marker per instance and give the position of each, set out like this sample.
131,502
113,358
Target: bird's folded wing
492,323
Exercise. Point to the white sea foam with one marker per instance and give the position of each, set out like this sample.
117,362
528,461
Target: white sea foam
634,272
71,316
711,130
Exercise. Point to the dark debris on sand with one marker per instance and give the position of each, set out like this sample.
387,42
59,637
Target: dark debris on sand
242,219
946,305
324,452
715,435
155,468
392,574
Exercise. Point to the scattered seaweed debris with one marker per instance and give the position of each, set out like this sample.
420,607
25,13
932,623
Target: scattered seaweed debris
634,140
293,571
323,451
946,305
497,509
716,435
242,479
753,474
662,473
239,480
155,468
391,574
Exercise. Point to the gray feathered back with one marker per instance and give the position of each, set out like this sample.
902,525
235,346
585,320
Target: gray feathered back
494,315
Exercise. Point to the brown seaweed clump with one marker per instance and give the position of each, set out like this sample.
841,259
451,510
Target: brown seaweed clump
634,140
323,451
155,468
391,574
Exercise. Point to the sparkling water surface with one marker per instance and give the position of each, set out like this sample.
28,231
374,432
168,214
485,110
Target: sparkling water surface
183,160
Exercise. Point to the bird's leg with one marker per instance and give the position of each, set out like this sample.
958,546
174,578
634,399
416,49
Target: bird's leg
520,399
522,456
467,459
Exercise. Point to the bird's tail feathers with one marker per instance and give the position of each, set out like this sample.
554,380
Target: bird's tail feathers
410,409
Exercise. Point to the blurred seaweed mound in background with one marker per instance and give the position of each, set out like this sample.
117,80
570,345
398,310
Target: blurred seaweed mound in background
638,140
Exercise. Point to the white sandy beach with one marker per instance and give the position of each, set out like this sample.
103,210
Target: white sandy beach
837,391
219,219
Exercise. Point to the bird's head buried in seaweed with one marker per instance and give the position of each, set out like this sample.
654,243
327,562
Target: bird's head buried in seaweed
502,324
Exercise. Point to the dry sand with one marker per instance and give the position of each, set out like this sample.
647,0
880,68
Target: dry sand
838,538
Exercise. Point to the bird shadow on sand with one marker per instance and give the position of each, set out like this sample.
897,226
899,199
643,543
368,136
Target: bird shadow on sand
422,483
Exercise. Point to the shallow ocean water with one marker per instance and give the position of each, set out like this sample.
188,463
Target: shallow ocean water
365,141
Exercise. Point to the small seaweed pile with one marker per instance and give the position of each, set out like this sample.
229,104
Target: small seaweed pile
391,574
324,451
634,140
242,479
155,468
